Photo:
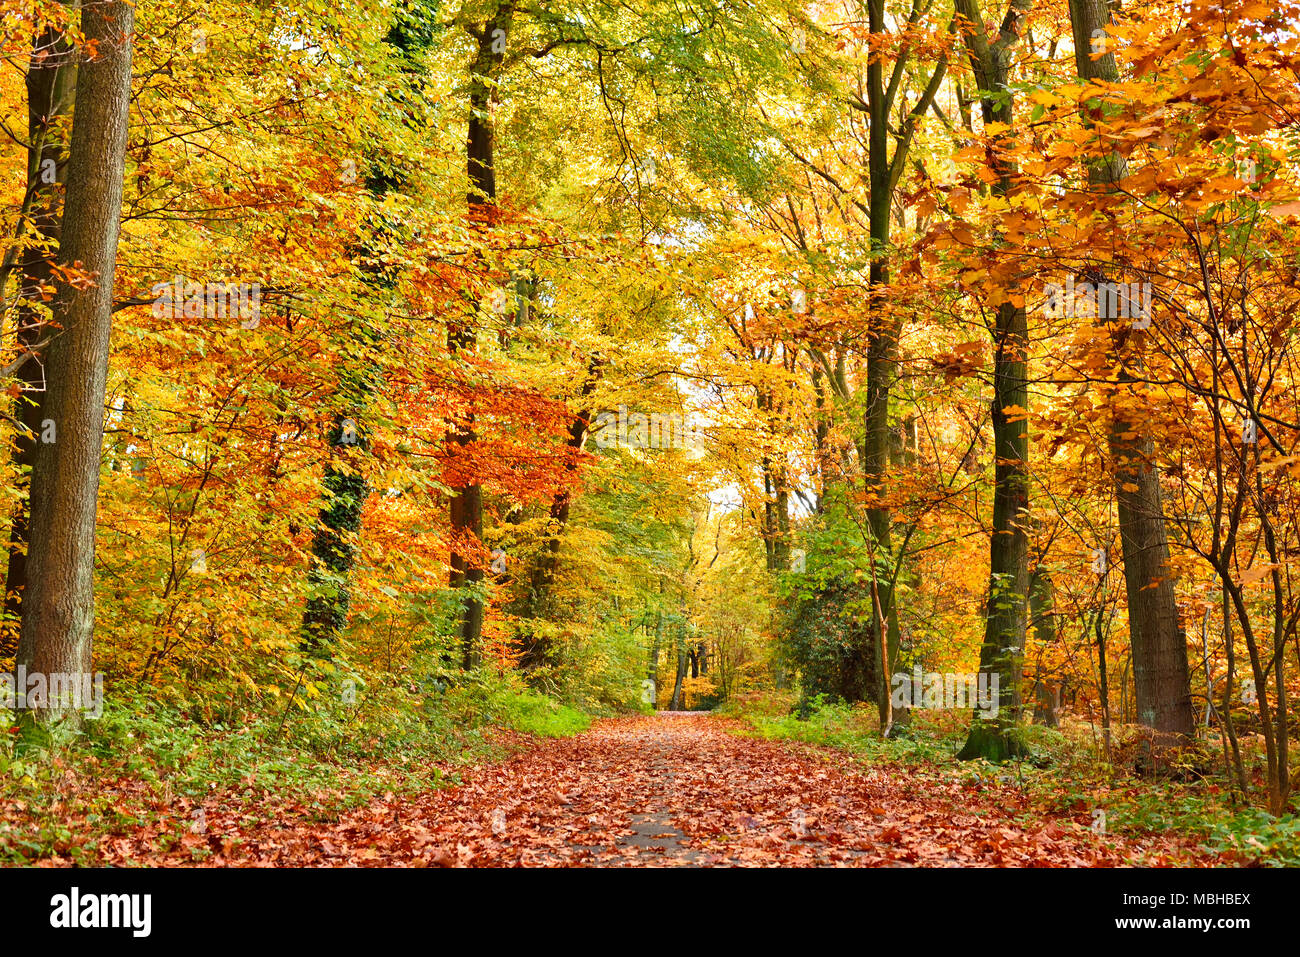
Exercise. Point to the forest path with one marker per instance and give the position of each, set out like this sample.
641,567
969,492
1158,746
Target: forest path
683,790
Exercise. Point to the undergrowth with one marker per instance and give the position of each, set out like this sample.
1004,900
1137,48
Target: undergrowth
65,788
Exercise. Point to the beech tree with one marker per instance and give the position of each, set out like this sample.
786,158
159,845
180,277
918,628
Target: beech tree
1007,616
51,85
58,612
1162,688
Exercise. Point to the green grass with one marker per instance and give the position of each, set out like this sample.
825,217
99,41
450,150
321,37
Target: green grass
532,713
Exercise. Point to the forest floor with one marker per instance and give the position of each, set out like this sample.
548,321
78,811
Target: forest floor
676,790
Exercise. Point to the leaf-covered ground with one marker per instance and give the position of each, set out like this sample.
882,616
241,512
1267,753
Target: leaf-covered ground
668,790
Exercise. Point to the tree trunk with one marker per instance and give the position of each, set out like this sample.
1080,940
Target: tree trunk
466,510
51,86
1162,685
58,610
344,487
1103,679
882,361
992,736
334,543
678,692
652,670
1042,617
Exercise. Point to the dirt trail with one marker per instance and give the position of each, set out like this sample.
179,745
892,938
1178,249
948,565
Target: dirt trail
682,790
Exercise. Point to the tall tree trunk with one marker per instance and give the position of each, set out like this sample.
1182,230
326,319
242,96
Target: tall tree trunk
466,510
1042,618
678,698
776,491
58,609
882,361
992,736
1162,684
333,547
344,486
1103,679
652,669
883,174
821,437
776,516
1161,678
51,86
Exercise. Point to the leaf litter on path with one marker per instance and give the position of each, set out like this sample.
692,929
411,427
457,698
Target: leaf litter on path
676,790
